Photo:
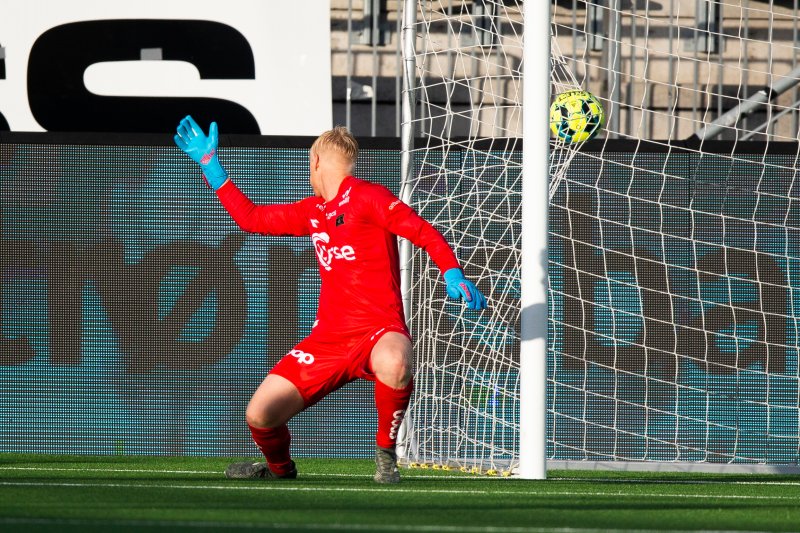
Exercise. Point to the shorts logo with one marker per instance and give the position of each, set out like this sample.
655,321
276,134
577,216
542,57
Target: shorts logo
398,419
302,357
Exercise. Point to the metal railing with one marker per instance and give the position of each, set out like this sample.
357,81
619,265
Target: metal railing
621,49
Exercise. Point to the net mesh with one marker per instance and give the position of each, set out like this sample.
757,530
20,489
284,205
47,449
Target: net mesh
673,241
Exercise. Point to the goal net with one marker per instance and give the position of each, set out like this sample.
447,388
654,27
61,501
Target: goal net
674,237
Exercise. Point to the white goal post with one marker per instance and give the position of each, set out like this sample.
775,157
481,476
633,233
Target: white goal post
672,268
524,393
533,241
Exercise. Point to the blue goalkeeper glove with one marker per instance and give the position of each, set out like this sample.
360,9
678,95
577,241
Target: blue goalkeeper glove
203,150
461,288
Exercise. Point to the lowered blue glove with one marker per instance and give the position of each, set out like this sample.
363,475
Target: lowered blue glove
203,150
461,288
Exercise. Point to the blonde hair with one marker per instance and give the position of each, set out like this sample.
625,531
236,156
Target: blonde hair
338,140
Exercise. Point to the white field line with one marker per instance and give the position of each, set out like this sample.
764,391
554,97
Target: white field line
339,527
406,474
133,470
287,487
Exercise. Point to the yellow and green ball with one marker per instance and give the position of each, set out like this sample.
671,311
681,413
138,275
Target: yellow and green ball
576,116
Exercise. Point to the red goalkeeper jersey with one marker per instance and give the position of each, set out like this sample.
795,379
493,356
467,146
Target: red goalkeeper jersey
354,239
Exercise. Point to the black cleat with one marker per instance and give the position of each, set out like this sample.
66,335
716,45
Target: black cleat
386,466
250,470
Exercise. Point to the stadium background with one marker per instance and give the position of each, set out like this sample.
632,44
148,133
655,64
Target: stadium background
137,319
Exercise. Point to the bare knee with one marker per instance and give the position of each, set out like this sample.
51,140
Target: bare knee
391,360
394,371
263,417
275,401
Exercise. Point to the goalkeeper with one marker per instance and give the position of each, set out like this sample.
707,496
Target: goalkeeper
360,329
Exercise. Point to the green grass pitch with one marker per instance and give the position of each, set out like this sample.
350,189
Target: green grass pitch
123,493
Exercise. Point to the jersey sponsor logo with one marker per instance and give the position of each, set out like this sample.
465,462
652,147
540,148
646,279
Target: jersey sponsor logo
393,204
326,254
302,357
397,420
330,215
320,240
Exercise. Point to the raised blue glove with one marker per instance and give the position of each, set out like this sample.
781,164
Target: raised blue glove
203,150
461,288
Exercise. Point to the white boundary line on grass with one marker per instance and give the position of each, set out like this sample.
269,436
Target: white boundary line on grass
117,470
340,527
287,487
409,475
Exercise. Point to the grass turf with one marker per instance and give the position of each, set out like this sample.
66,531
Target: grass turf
123,493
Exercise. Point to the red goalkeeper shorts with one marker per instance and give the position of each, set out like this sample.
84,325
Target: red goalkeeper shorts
317,366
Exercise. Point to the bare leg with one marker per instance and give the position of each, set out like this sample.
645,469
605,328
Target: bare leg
275,401
391,360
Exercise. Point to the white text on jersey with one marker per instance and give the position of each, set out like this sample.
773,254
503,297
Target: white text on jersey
326,254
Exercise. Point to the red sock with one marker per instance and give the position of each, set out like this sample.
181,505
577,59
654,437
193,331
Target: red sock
391,404
274,444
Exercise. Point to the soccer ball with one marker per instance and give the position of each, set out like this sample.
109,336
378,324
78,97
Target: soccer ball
576,116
